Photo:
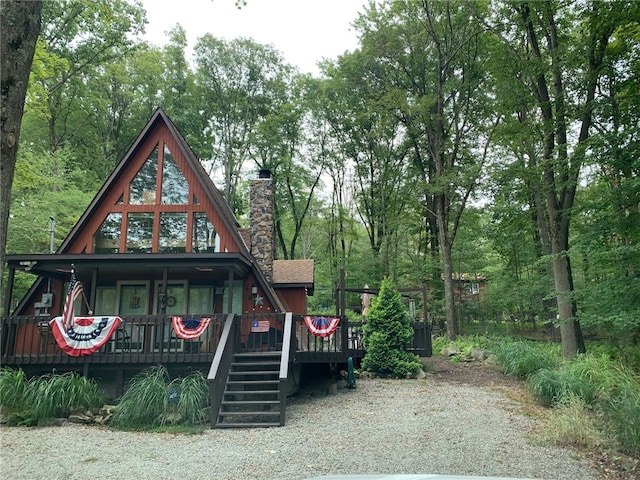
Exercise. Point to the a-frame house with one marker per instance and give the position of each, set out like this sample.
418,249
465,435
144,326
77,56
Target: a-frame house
160,251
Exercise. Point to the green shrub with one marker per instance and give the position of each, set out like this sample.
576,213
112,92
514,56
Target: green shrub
574,424
193,403
600,384
525,358
40,398
438,344
387,335
144,402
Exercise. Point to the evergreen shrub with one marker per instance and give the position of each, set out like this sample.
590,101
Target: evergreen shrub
388,334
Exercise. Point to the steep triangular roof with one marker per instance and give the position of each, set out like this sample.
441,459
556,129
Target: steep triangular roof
160,120
215,197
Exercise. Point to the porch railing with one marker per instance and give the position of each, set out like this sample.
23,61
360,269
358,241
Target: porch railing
150,339
144,339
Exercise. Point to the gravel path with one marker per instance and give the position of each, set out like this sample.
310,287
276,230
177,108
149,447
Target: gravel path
382,426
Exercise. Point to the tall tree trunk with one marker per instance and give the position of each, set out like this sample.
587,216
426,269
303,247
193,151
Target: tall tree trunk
445,241
20,23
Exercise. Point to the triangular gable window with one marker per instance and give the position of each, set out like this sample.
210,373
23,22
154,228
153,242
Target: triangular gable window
107,238
204,238
143,186
175,190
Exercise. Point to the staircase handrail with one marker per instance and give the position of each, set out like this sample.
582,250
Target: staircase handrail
220,365
284,363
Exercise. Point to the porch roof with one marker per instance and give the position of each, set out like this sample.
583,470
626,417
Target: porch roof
59,265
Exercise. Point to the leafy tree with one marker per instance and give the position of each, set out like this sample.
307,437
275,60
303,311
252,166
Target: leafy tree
238,83
79,39
388,334
557,53
287,143
427,58
370,137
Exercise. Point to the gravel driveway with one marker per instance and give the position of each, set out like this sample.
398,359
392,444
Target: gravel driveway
382,426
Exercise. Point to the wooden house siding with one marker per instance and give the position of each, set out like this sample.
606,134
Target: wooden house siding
295,299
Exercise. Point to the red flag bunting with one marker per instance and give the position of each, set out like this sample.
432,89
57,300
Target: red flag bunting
321,326
190,328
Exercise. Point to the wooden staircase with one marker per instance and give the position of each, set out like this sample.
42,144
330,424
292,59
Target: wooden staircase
252,395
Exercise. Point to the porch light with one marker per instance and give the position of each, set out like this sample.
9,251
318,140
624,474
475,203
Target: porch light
254,290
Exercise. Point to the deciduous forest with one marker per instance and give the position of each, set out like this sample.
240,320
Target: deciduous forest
488,150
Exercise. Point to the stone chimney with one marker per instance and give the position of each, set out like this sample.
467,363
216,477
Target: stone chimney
261,219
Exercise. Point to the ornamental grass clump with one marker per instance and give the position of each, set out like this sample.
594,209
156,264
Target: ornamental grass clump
59,395
153,400
605,389
193,403
522,359
144,402
551,387
622,419
33,401
13,384
387,335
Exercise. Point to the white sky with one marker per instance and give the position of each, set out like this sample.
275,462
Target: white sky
304,31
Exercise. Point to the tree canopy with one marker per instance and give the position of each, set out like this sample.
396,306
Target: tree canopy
461,144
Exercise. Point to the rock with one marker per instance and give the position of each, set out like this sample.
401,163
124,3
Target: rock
55,422
107,410
419,374
479,354
450,352
81,418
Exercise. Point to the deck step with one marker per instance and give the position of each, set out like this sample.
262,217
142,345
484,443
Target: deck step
255,364
253,382
250,392
251,397
254,372
250,402
248,425
275,353
248,413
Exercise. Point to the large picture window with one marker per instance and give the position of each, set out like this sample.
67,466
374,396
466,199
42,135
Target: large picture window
173,233
140,232
175,189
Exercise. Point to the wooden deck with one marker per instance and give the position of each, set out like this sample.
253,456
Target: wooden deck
246,357
149,340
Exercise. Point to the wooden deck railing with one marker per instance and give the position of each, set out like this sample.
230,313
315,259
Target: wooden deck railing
150,339
144,339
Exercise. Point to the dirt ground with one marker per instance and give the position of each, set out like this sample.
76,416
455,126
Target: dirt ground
612,465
